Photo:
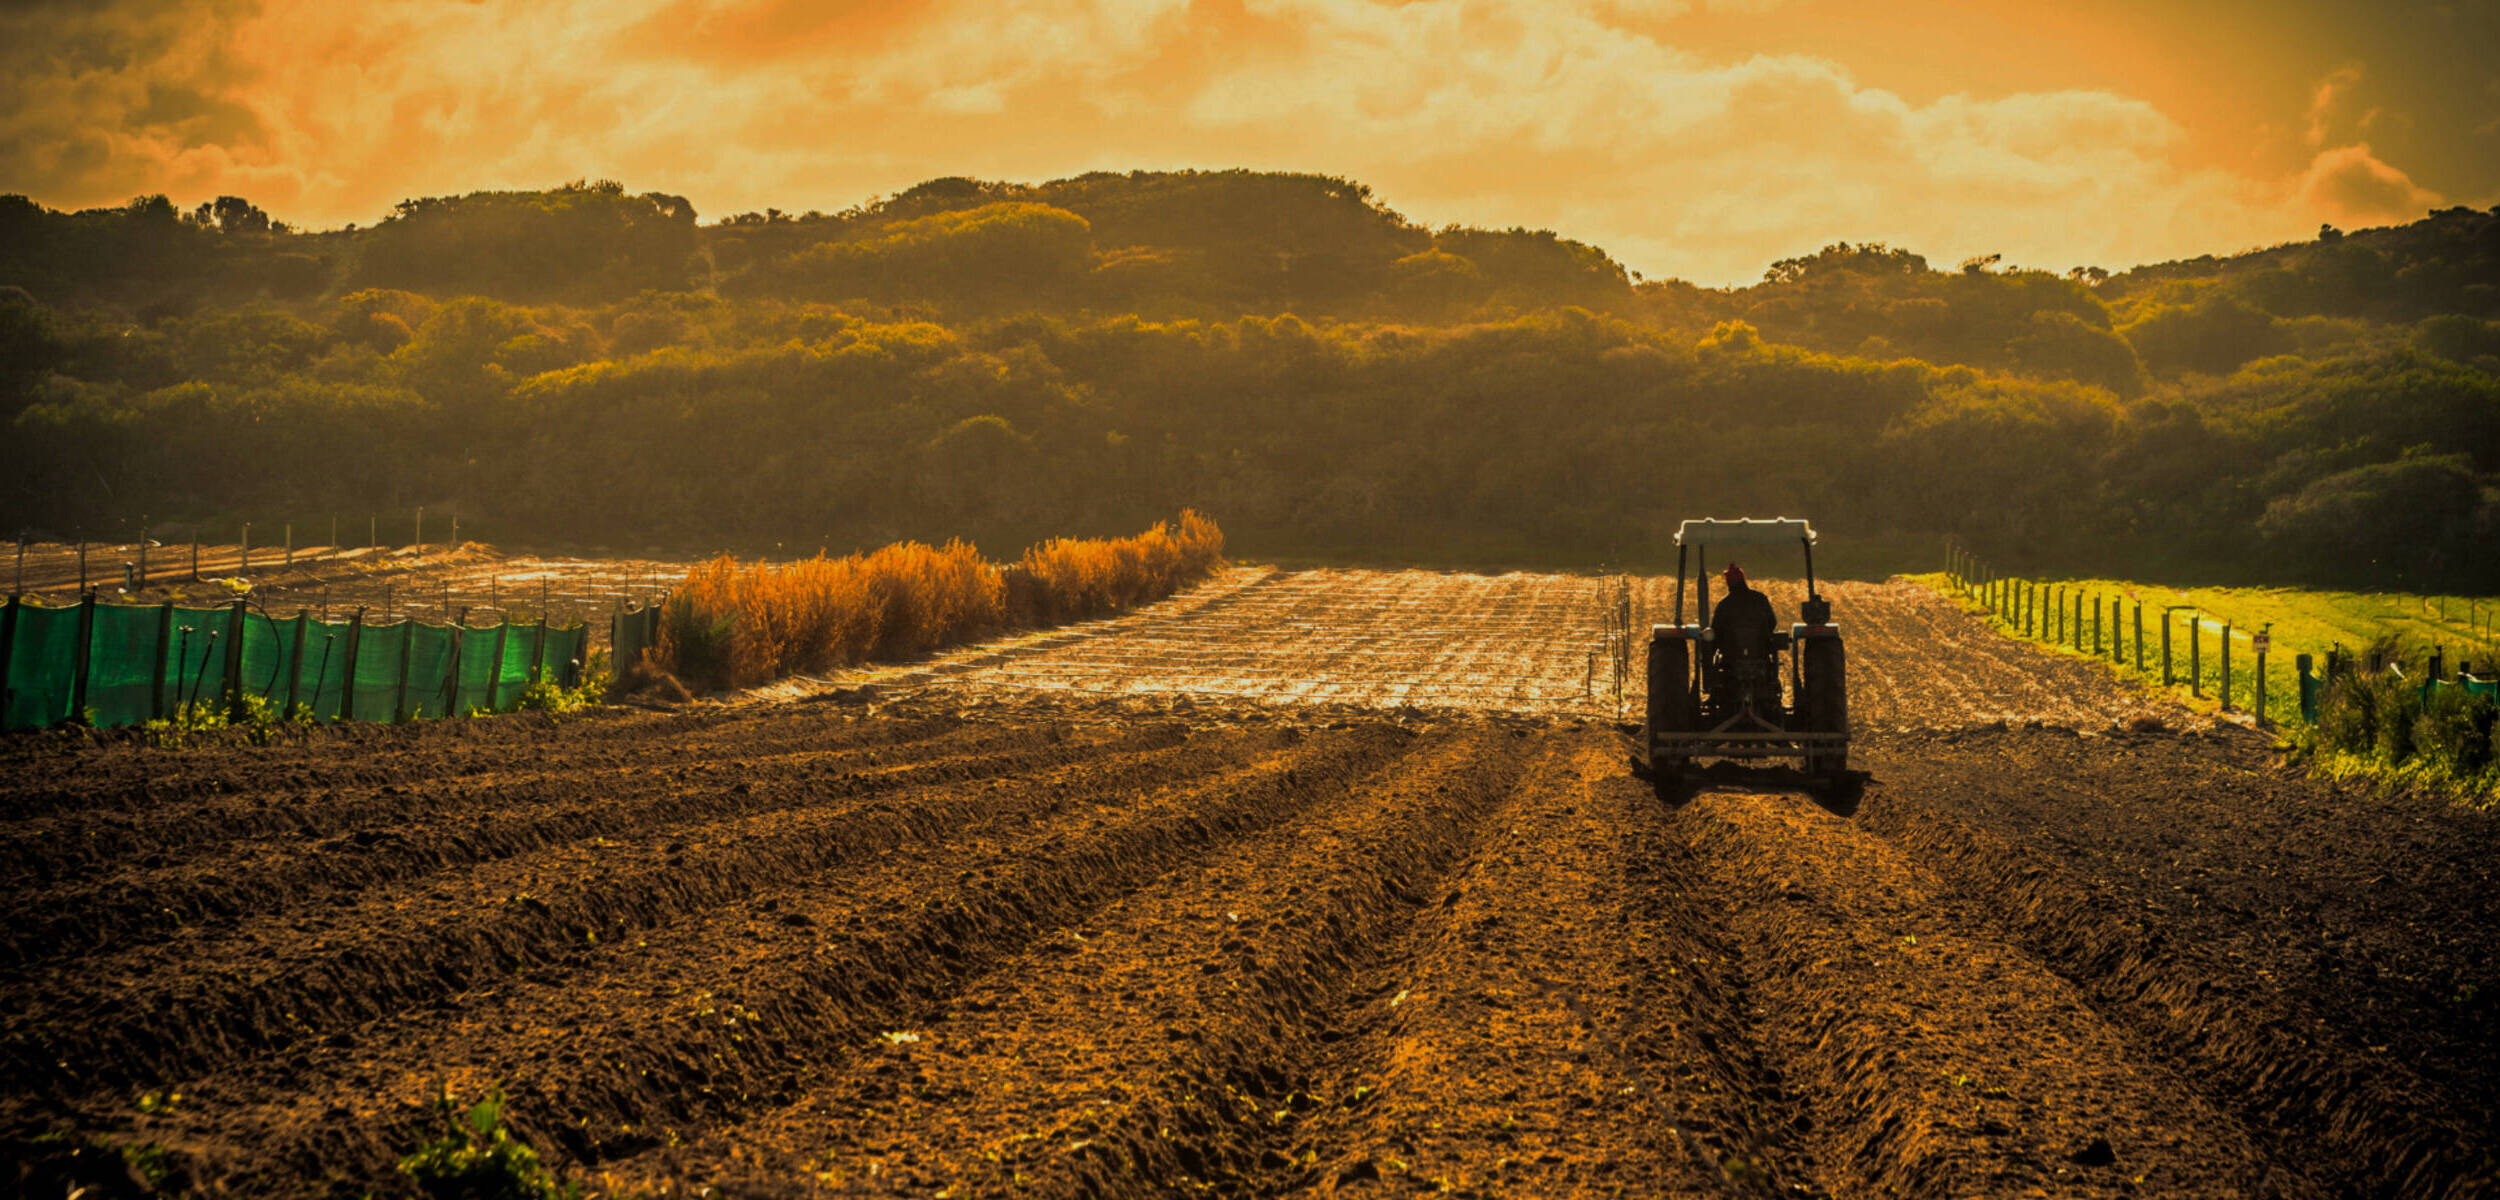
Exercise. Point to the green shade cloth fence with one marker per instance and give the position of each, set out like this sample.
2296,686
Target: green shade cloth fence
2313,689
130,664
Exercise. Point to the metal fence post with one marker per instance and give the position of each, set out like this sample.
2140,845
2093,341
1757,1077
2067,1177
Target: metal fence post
2096,625
82,656
347,665
494,682
164,652
295,662
407,650
8,642
451,665
234,654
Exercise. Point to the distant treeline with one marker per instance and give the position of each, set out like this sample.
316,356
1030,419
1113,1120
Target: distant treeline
591,366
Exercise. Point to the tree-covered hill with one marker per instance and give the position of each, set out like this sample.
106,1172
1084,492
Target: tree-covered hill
587,364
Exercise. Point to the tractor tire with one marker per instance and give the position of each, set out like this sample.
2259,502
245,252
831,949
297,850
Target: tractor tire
1670,709
1825,704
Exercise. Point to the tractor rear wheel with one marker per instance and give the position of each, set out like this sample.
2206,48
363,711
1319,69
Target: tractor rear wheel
1670,709
1826,704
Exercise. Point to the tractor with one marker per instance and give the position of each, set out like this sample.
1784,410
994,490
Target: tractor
1717,693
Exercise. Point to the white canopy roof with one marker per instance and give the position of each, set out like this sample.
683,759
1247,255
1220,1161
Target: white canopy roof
1744,531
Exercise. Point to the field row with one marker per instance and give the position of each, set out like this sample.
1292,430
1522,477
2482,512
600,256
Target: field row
815,949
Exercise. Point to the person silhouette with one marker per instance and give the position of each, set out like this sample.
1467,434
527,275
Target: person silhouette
1742,622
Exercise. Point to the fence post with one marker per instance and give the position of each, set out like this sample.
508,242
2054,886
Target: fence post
82,566
2265,637
8,642
451,665
2303,682
494,682
143,554
234,654
538,650
195,554
407,650
290,551
164,651
246,568
2167,676
2096,625
2139,635
420,529
347,666
81,657
373,530
295,663
2196,643
2226,667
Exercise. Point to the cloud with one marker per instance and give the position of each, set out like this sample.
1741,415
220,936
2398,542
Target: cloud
1584,118
2329,99
2352,187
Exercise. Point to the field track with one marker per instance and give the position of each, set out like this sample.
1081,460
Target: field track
1300,883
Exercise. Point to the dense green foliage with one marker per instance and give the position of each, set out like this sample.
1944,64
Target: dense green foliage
1018,361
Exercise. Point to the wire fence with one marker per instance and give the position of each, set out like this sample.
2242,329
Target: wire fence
2180,645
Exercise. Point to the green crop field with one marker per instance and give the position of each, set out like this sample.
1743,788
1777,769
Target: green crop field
2298,620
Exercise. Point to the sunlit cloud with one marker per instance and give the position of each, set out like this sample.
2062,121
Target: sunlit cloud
1586,118
2355,188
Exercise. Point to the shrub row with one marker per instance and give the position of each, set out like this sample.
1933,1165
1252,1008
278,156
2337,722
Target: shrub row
2441,731
736,624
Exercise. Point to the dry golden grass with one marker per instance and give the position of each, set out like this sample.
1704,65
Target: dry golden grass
734,624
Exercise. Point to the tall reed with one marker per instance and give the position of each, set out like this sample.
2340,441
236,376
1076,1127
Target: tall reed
734,624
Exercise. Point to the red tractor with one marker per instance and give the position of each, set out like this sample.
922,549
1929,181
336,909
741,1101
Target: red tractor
1716,692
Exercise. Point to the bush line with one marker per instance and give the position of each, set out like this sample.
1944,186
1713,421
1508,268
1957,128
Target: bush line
734,624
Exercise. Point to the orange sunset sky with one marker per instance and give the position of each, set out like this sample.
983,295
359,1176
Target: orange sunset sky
1698,139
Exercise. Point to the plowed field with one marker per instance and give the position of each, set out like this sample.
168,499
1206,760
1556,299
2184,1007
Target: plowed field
1308,883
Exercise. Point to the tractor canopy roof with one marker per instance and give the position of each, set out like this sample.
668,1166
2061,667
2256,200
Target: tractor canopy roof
1744,531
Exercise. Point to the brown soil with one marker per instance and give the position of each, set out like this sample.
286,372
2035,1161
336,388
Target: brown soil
1266,921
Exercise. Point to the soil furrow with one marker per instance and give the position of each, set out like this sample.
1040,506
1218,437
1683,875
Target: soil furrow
134,791
2360,1122
1936,1062
1559,1022
1141,1054
717,1020
398,946
260,879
